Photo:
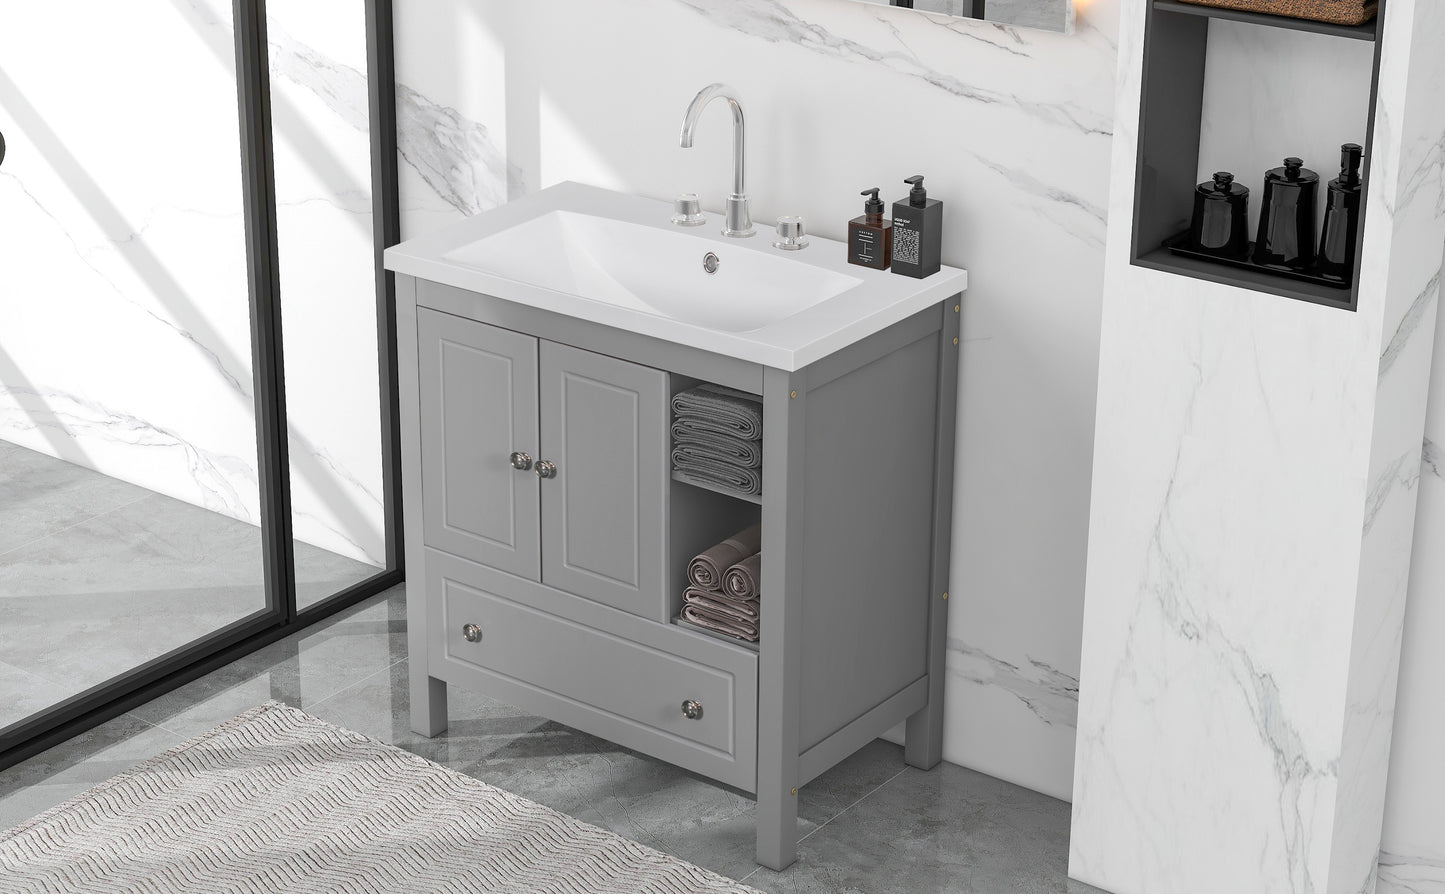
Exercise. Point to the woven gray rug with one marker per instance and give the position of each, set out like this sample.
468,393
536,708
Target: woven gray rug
277,801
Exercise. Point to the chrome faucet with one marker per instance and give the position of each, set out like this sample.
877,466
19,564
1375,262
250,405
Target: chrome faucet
739,221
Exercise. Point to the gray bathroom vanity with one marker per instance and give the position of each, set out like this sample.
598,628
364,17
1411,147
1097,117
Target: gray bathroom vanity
547,540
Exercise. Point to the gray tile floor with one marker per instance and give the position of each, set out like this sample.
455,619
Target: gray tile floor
98,576
872,824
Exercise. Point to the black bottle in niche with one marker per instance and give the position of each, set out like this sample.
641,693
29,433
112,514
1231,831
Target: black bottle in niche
870,237
1287,217
1340,240
1221,218
917,232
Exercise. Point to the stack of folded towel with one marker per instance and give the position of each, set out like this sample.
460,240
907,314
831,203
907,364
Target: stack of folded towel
717,437
723,592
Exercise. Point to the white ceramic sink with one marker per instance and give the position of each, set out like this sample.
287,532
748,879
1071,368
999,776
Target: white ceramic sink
615,259
654,271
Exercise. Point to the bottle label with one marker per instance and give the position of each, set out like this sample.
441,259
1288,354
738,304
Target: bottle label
905,245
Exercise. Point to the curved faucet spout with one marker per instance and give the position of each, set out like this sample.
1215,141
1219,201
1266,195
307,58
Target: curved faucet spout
739,220
689,125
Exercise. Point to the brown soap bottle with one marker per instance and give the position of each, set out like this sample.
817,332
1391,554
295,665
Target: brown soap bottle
870,237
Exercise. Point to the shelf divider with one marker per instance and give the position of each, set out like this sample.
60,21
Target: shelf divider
1366,31
747,498
1253,280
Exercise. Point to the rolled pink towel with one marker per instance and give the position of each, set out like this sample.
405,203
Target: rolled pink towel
706,570
741,580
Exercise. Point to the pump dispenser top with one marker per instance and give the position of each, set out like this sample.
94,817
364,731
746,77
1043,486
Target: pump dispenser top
1352,155
918,196
874,206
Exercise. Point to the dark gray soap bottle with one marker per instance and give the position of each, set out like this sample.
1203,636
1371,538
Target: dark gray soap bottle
917,232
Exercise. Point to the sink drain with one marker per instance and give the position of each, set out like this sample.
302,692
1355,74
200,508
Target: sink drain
710,263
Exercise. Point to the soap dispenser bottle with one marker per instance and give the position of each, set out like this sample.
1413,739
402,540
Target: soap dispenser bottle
870,237
917,232
1342,217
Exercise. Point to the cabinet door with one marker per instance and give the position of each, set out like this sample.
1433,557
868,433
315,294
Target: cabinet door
604,515
478,406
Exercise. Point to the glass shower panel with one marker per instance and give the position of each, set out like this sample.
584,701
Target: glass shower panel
129,504
328,291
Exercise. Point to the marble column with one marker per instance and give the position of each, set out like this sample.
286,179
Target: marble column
1255,474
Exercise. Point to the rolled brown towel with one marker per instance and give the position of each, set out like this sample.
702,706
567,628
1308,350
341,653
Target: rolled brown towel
703,617
741,610
706,571
741,580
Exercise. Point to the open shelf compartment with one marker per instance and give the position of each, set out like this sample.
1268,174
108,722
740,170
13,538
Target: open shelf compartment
1367,31
701,515
1178,94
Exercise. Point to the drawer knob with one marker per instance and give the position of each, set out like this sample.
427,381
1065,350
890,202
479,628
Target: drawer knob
692,710
521,461
546,469
472,633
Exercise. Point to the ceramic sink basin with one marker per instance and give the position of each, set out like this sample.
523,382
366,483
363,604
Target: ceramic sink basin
654,271
615,259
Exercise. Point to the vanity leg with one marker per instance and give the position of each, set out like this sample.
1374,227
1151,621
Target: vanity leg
780,650
923,739
428,705
777,819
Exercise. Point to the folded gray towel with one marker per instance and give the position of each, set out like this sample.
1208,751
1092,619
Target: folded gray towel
741,580
706,570
702,616
737,411
747,482
718,444
684,453
738,609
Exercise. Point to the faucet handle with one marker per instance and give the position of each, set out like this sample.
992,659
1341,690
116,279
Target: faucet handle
792,233
687,211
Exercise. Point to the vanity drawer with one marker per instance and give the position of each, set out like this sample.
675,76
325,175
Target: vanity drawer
547,652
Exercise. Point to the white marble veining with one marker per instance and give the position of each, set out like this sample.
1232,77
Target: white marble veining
324,229
1256,461
1012,128
1413,858
1050,15
125,309
1051,694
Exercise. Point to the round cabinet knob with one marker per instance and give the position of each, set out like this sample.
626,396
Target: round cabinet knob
472,633
692,710
546,469
521,461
